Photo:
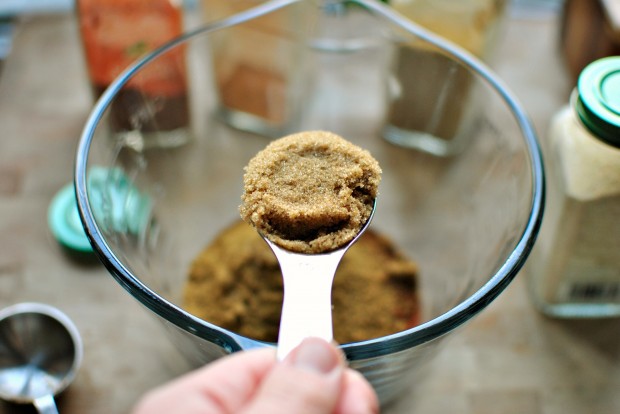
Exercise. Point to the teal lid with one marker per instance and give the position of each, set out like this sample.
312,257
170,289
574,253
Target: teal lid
64,221
598,102
117,204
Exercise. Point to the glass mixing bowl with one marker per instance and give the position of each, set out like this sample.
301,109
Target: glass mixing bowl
468,220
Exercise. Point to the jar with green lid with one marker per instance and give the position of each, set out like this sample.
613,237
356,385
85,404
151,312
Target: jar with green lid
574,270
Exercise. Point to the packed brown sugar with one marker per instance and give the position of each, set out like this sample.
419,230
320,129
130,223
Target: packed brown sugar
235,283
310,192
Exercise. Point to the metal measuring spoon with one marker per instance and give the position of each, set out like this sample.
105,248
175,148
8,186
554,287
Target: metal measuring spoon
307,305
40,352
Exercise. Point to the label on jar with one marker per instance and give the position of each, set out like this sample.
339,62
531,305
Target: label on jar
116,33
592,269
593,292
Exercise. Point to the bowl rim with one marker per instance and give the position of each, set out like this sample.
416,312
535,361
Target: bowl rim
400,341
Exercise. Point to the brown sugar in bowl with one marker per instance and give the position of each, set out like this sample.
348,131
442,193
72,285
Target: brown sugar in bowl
235,283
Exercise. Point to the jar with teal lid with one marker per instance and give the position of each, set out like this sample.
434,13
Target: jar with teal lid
574,271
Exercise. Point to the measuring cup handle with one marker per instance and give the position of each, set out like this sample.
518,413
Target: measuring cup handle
46,405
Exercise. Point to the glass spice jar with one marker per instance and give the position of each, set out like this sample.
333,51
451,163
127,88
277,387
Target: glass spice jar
115,34
574,270
429,115
265,68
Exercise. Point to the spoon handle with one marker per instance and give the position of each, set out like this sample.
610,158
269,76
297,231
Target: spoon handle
306,309
45,404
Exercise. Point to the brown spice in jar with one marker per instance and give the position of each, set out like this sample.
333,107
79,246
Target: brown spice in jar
236,284
435,106
310,192
256,91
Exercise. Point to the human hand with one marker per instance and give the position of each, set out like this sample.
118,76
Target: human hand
312,379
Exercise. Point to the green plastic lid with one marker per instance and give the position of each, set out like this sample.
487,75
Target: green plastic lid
118,205
64,221
598,102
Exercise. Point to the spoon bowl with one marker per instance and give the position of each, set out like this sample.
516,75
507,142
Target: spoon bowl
308,279
40,352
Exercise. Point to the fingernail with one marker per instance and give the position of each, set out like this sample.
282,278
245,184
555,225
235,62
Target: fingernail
316,355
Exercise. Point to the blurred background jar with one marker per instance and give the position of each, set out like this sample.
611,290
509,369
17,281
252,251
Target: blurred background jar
574,270
266,68
590,30
258,67
438,122
115,33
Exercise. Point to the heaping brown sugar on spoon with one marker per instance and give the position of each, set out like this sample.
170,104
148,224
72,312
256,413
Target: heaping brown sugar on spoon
310,192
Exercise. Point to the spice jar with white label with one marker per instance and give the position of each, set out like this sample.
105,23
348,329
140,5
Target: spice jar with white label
575,267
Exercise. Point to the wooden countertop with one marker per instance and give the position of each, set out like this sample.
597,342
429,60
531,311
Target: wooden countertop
509,359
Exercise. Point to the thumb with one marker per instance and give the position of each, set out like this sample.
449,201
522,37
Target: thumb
308,381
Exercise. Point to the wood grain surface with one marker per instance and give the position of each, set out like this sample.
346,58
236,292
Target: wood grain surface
509,359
